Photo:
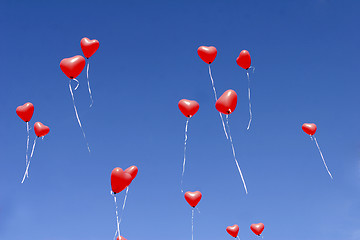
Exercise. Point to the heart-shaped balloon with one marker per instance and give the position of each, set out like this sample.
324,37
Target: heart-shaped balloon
73,66
25,112
233,230
309,128
89,47
207,54
133,170
257,228
121,238
188,107
226,104
193,198
40,129
244,59
119,180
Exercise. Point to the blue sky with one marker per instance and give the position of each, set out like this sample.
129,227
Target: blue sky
306,59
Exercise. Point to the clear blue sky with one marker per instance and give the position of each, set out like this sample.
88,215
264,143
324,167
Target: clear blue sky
306,55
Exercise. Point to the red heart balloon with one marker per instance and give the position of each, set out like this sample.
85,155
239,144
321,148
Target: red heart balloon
119,180
193,198
233,230
226,104
207,54
89,47
73,66
257,228
309,128
121,238
133,170
188,107
40,129
244,59
25,112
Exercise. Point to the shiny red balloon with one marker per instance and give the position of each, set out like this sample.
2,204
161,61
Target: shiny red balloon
89,47
244,59
40,129
121,238
120,180
25,112
193,198
73,66
226,104
233,230
207,54
309,128
133,170
188,107
257,228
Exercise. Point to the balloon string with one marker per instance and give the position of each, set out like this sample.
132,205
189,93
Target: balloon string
28,163
117,216
213,86
233,151
88,82
77,115
250,113
183,168
192,224
27,145
123,207
115,235
77,85
197,209
322,157
238,237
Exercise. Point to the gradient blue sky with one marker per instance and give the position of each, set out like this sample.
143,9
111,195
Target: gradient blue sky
306,55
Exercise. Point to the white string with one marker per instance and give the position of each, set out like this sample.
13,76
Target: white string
77,85
192,224
322,157
117,216
183,168
28,163
213,86
233,151
76,113
88,82
123,207
238,237
27,145
197,209
115,235
248,77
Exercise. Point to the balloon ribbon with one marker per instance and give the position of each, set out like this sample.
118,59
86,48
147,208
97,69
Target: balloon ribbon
250,113
27,146
88,82
192,224
213,86
183,168
318,147
233,151
28,163
76,112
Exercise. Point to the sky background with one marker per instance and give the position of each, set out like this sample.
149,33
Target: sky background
306,55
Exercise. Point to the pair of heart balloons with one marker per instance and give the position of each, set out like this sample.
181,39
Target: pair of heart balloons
121,179
257,228
226,104
208,55
25,112
73,66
